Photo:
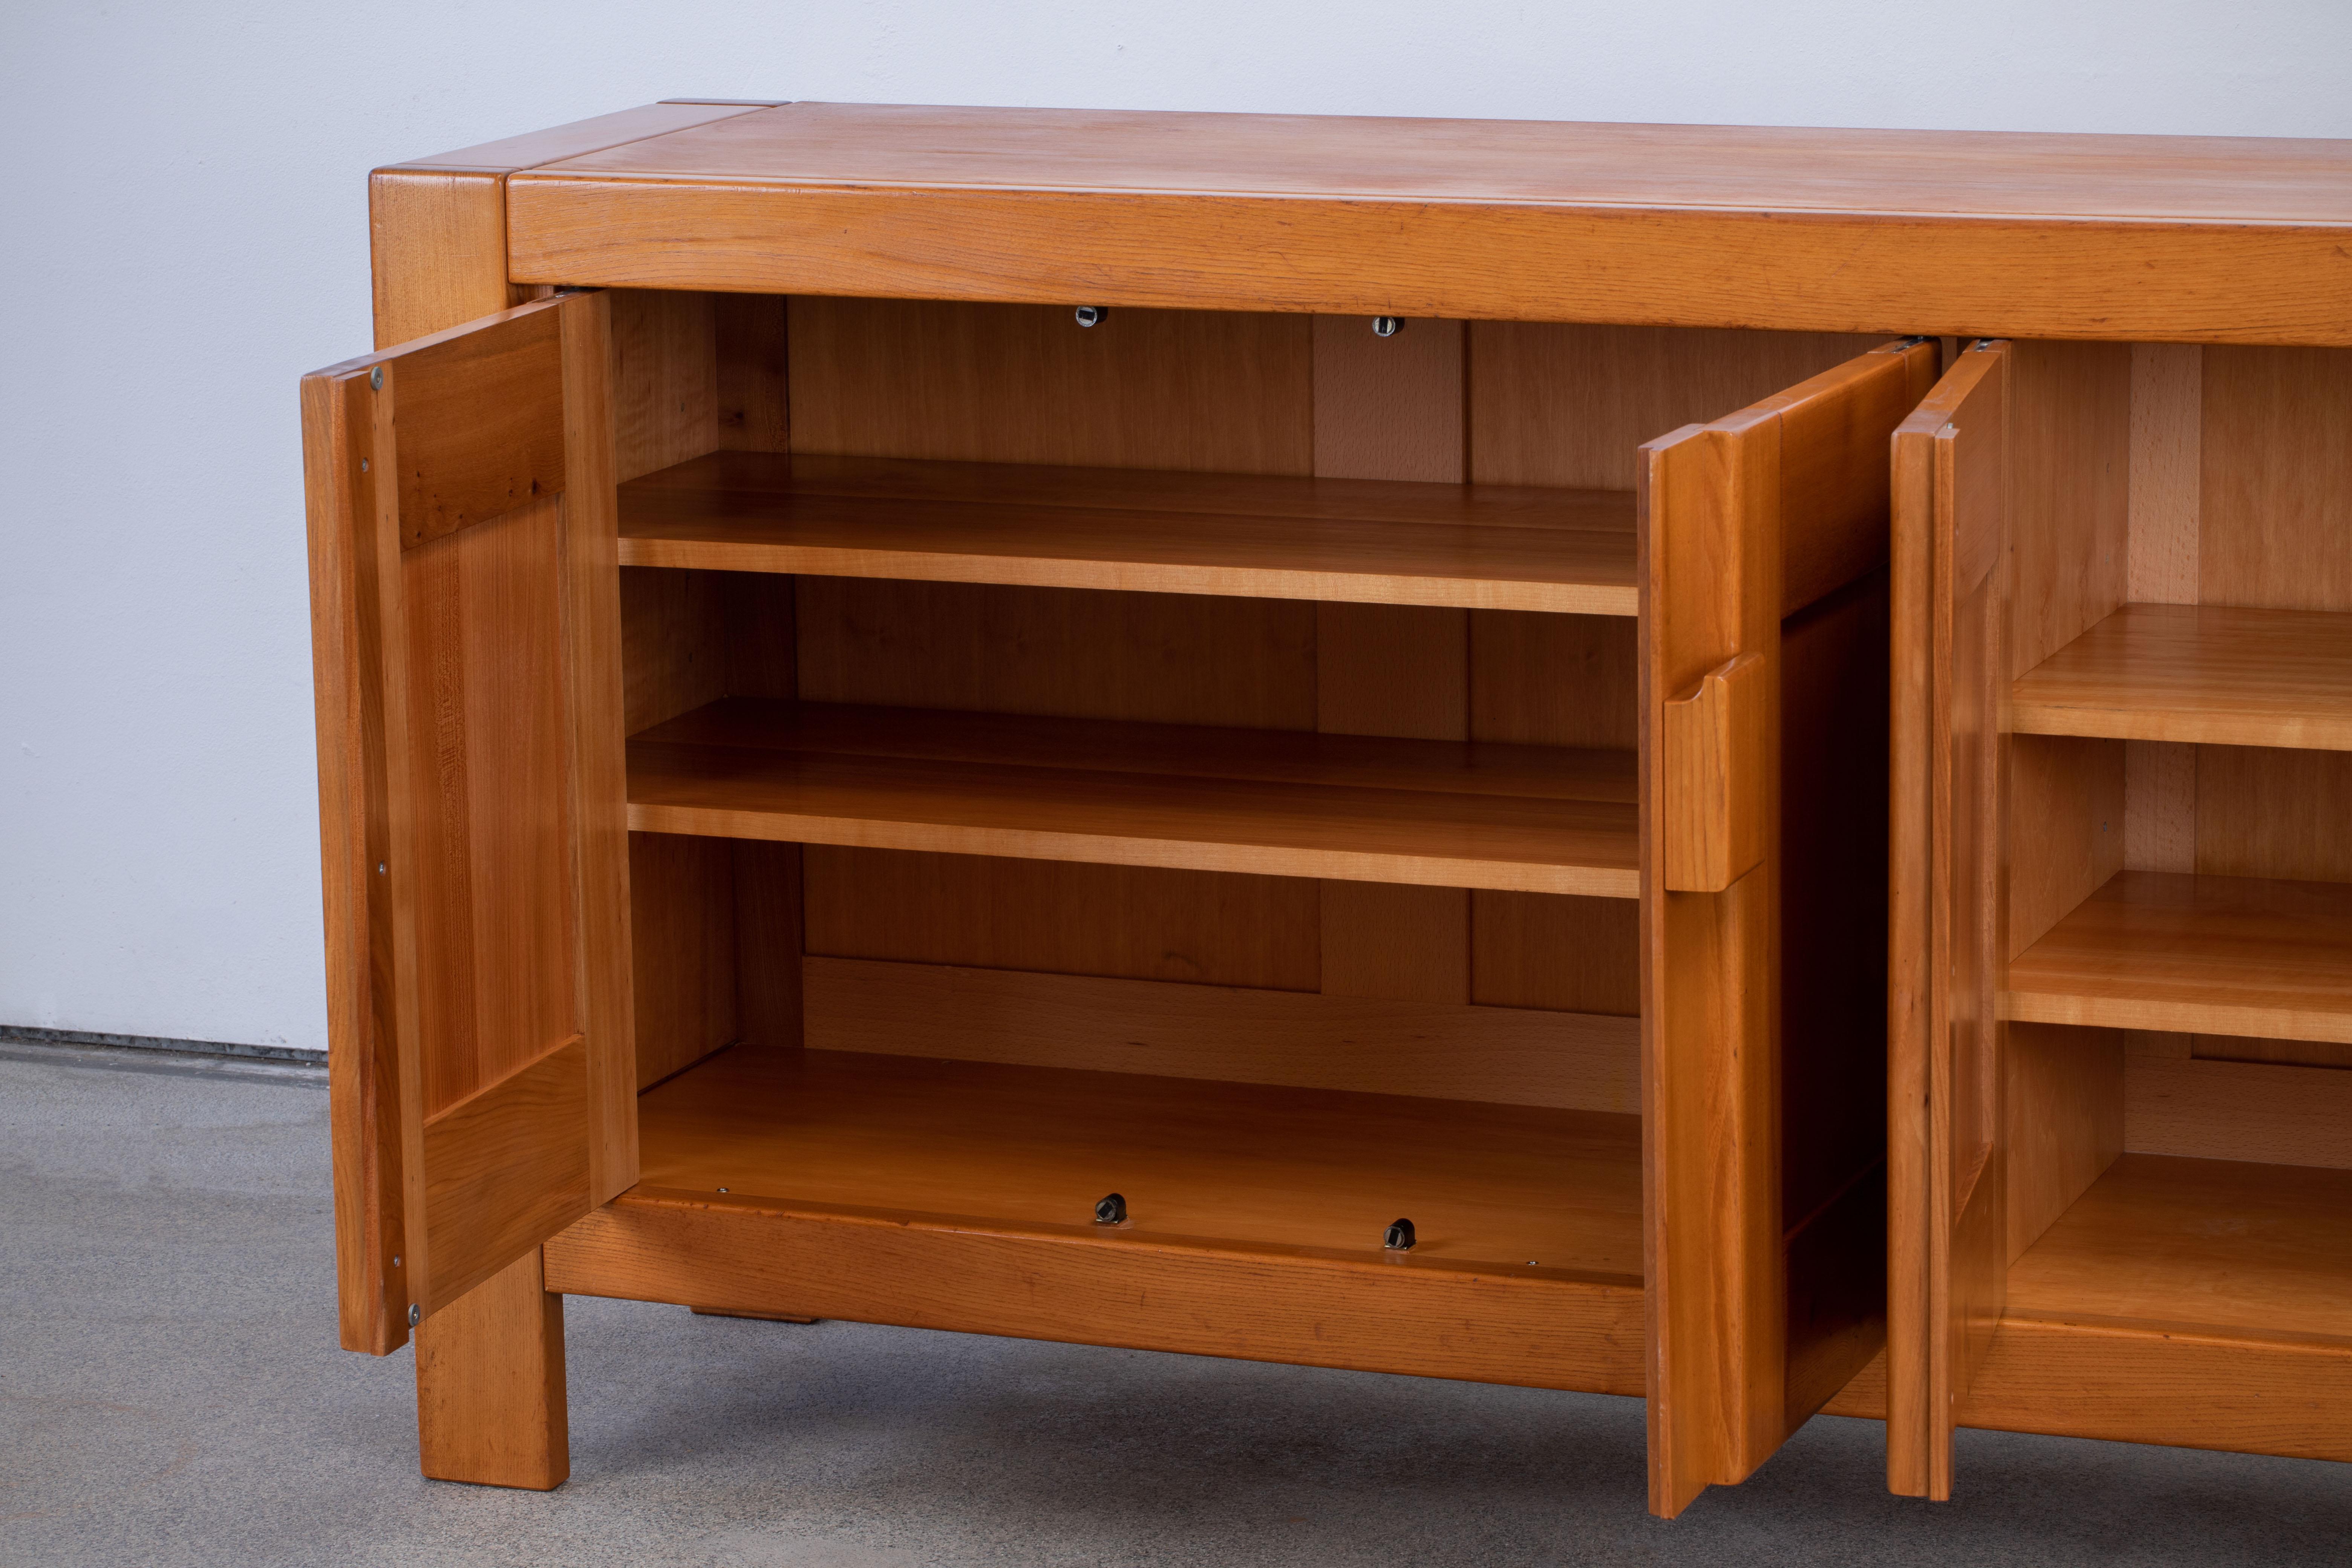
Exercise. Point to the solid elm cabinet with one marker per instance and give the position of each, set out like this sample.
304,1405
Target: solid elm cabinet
830,765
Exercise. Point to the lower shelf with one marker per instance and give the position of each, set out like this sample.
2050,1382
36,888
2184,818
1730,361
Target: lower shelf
959,1196
2201,1303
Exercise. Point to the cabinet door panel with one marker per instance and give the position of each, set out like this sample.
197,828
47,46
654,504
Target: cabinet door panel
1948,900
1763,548
465,574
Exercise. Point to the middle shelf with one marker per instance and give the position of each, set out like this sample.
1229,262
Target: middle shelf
1492,547
2220,956
1519,819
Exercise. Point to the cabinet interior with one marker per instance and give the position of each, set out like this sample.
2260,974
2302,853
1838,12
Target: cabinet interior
2178,1106
1192,756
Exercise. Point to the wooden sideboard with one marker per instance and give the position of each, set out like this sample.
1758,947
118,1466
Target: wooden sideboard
1046,723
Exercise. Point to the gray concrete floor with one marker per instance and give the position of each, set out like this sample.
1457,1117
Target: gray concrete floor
171,1392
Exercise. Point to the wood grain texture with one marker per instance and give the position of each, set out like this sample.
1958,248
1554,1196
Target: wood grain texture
1711,809
2276,498
2066,814
2265,812
1201,927
682,950
1358,808
1837,230
1569,405
2064,1108
2263,1112
1393,407
1213,391
1307,1171
754,376
1441,1051
2166,471
490,1405
1571,955
502,1170
2159,807
1545,1330
1953,465
363,1062
437,250
747,513
2206,674
582,137
673,643
769,921
2070,492
2223,955
665,379
1160,658
479,416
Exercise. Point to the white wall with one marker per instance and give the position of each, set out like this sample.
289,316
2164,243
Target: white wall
183,234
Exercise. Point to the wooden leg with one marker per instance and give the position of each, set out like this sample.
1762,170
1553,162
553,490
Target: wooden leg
489,1385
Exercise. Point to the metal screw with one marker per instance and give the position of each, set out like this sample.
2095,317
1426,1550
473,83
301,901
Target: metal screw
363,465
1400,1237
414,1315
1092,315
1112,1210
722,1189
375,379
395,1260
1386,326
381,868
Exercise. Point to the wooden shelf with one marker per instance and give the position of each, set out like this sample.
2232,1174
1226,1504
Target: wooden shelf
1279,803
1372,542
2203,673
960,1195
2221,956
2228,1247
2205,1303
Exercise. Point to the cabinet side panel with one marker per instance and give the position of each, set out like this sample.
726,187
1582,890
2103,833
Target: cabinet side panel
2276,504
437,242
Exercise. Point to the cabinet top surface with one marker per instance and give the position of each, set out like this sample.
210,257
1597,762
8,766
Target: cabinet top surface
2179,179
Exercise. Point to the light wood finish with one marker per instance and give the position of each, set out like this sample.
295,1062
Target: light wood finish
2066,798
1392,408
437,245
437,225
2267,1112
876,1175
2276,501
1948,1150
1133,922
491,1405
2070,492
665,377
1538,950
2223,1246
2225,955
1508,1056
1355,808
751,512
1838,230
2167,420
2198,673
1207,391
2263,812
682,976
363,1067
1732,514
754,384
2159,807
503,871
2063,1093
1556,404
1162,658
1711,809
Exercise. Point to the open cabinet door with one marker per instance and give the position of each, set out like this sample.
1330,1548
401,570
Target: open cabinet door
465,592
1763,627
1948,902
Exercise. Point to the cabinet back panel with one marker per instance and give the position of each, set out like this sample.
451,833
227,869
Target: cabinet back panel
2275,528
1201,390
1132,922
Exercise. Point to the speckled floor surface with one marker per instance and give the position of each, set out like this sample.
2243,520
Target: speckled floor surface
171,1392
